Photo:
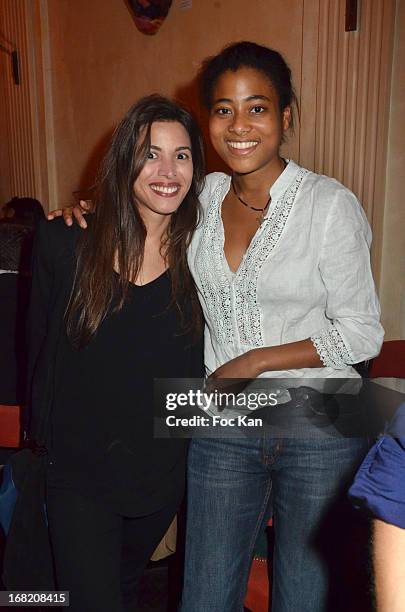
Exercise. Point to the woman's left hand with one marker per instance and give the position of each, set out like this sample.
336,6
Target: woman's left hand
244,366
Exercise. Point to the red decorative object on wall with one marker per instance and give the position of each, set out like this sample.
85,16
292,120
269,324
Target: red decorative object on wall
150,14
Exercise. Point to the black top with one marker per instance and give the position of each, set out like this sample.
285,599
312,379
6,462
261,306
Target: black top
101,397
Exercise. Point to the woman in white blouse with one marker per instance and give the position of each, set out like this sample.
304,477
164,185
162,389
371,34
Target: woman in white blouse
281,263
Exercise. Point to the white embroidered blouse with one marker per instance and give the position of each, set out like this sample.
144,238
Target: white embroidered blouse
306,274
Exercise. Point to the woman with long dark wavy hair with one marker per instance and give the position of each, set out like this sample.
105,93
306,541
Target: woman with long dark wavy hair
113,308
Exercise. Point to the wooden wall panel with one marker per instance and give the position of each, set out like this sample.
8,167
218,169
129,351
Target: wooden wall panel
392,290
20,178
4,150
350,103
111,64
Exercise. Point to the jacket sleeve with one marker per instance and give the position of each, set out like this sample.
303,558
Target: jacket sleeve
41,289
354,332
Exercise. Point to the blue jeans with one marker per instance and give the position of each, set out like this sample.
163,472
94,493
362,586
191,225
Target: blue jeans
235,485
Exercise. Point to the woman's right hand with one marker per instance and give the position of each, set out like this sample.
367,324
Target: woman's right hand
76,212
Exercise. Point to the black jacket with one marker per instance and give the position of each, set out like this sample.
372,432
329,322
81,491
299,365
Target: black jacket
27,559
52,279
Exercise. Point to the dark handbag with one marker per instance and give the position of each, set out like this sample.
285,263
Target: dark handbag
28,563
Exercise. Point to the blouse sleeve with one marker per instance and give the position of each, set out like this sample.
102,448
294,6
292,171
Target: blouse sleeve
354,332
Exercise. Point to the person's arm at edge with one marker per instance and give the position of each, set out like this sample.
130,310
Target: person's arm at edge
389,566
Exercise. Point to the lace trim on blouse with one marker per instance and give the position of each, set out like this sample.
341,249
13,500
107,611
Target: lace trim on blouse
331,348
248,313
216,286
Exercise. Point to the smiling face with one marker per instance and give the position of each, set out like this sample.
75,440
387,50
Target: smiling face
246,124
166,176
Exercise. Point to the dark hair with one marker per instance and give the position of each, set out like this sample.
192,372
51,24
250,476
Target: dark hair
250,55
117,230
27,211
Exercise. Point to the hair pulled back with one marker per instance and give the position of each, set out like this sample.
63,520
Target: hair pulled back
247,54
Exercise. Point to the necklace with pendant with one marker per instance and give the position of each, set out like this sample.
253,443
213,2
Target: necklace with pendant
262,211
